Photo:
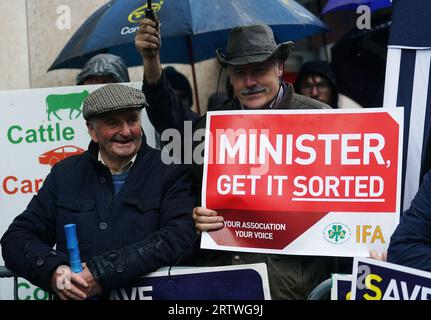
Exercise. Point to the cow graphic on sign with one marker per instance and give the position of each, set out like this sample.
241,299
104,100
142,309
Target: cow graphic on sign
71,101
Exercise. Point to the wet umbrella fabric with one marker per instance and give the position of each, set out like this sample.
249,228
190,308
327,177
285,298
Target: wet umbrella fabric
335,5
191,30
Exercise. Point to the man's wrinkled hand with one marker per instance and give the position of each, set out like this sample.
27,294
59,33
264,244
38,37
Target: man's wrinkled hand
74,286
375,255
147,39
68,285
207,219
93,287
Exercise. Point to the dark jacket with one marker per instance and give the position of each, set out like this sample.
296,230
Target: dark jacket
410,244
165,110
290,277
147,225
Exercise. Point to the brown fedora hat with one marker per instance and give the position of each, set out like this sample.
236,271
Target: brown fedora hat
252,44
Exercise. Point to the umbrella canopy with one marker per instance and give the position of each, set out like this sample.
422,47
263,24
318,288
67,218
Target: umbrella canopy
334,5
191,30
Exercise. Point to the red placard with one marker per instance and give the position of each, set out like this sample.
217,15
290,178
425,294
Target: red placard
290,169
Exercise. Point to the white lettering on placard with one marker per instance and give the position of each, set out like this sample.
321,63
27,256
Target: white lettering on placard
355,149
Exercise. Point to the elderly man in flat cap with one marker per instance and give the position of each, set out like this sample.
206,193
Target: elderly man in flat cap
132,212
255,65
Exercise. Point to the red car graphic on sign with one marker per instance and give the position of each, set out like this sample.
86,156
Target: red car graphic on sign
55,155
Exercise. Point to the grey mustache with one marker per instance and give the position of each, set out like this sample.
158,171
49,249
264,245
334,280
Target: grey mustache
254,90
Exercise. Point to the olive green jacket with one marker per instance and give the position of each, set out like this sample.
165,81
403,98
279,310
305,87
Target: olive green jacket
290,276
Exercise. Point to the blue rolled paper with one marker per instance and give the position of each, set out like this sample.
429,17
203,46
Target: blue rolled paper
72,246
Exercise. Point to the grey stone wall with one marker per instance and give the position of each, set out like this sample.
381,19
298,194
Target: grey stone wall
30,41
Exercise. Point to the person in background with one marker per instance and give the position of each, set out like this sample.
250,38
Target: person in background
317,80
103,68
217,99
181,85
132,212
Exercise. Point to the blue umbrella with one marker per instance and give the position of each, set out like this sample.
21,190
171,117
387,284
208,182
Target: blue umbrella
335,5
191,30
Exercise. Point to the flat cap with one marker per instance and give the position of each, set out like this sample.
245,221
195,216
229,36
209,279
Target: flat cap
112,97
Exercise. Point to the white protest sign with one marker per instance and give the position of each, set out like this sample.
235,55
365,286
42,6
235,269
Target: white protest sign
378,280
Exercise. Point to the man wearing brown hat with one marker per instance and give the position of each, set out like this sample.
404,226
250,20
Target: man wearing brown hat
255,65
132,212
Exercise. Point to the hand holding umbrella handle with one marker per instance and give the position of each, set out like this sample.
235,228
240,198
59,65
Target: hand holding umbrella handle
149,12
148,42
